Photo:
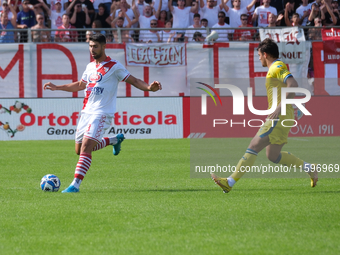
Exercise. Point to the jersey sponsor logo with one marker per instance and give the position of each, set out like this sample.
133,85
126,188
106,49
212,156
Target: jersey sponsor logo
95,90
96,77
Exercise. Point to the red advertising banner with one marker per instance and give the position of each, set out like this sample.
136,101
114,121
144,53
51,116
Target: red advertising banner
331,45
219,122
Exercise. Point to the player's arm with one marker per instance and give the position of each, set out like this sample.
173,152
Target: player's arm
291,83
71,87
142,85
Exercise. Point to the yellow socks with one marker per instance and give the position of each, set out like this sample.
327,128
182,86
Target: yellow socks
248,159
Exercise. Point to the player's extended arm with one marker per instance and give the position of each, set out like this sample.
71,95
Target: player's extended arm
142,85
71,87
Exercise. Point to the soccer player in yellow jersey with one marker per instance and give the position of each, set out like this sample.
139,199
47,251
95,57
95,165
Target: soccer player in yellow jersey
272,135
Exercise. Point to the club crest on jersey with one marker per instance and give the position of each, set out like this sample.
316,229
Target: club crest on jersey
97,77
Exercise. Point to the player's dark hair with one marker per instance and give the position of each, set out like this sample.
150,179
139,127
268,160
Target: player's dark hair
295,14
98,37
270,47
120,18
197,15
204,20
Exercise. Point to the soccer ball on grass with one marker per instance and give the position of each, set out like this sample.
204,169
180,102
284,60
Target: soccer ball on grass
50,182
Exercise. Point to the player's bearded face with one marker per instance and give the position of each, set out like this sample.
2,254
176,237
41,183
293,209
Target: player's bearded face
96,50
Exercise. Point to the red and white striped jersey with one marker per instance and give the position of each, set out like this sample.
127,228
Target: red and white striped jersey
101,88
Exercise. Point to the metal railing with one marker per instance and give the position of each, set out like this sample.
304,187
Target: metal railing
124,35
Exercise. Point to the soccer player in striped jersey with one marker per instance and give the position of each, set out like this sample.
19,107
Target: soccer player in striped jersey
100,81
272,135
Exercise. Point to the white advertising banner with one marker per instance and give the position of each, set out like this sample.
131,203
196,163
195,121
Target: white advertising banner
155,54
56,119
291,42
24,68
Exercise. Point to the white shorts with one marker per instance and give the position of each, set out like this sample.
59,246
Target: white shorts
92,126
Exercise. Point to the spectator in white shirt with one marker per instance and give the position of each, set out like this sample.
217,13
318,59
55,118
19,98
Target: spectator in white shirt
145,19
153,35
51,4
149,14
165,6
204,22
191,14
7,9
189,34
56,16
235,13
210,11
262,12
304,11
123,7
167,34
226,33
181,14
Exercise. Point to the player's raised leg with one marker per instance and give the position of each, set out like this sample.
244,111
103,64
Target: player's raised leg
115,141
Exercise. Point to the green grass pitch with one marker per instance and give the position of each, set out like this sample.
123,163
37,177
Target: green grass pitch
144,202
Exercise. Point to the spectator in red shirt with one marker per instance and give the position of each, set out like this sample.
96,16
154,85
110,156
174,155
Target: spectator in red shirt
66,32
162,18
244,34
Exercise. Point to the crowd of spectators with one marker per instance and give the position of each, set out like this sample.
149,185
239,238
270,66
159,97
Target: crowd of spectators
159,20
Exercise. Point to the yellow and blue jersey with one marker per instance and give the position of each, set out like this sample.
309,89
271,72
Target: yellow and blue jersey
277,76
